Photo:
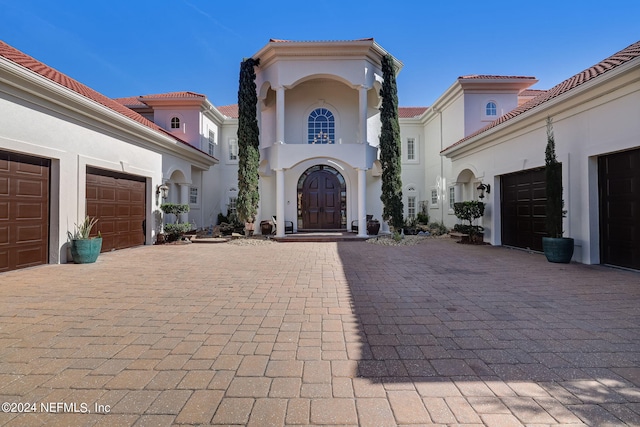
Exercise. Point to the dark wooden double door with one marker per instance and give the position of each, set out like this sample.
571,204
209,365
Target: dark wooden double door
321,196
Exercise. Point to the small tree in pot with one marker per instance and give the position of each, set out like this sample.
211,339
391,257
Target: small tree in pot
556,247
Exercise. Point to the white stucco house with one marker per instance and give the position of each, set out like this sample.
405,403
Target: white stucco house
319,121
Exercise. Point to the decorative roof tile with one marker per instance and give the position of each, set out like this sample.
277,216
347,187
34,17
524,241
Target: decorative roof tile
35,66
617,59
411,112
229,110
493,77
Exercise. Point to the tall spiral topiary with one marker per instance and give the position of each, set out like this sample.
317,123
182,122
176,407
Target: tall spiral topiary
248,143
390,145
553,175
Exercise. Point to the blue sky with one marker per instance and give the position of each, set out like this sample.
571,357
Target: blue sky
141,47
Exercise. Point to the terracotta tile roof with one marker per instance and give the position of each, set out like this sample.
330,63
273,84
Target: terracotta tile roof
32,64
318,41
619,58
131,102
229,110
185,94
492,77
531,92
411,112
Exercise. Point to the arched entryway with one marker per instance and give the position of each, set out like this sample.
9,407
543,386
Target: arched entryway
322,199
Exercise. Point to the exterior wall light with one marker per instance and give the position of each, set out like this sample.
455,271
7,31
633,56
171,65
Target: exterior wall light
481,190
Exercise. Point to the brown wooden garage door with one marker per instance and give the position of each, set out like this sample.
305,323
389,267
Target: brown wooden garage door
119,202
619,184
24,211
523,208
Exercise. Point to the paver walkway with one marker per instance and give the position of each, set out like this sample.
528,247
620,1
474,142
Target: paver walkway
320,333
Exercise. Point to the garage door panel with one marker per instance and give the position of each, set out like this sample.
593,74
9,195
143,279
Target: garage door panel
24,210
120,203
107,194
29,234
4,236
619,185
523,208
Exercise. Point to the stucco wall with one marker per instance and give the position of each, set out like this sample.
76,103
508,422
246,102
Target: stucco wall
36,127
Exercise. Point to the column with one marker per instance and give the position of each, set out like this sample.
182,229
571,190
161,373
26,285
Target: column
362,202
279,203
184,199
362,92
280,115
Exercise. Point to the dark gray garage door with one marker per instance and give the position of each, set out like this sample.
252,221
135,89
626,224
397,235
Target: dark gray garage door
24,211
619,184
119,202
523,207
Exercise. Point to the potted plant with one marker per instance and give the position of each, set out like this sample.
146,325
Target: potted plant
373,227
175,231
556,247
85,249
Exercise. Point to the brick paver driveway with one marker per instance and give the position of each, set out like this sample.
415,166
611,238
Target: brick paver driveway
320,333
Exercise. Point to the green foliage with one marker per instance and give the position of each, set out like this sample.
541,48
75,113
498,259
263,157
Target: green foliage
175,230
390,144
82,231
422,218
248,143
553,175
469,211
175,209
438,228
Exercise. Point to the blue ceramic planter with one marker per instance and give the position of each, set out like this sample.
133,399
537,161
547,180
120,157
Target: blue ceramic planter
86,251
558,249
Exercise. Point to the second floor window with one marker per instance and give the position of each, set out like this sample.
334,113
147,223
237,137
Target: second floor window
212,143
321,127
175,122
411,149
491,109
233,149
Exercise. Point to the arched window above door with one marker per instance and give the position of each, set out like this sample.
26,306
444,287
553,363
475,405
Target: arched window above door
321,127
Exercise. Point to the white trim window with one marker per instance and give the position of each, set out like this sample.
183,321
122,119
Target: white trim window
231,207
175,122
452,197
491,109
411,207
321,127
411,149
193,195
434,198
212,143
233,150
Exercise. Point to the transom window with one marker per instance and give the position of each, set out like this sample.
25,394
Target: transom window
175,122
321,127
491,109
